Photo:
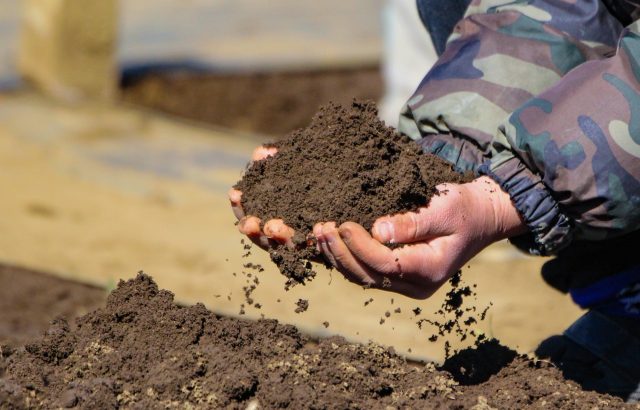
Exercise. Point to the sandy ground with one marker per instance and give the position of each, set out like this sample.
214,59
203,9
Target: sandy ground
99,193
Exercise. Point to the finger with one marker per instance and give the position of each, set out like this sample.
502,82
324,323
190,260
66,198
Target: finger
322,241
235,198
250,226
277,230
317,232
339,255
425,263
436,219
371,252
359,273
263,152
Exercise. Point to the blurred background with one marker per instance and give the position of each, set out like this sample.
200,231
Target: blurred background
124,123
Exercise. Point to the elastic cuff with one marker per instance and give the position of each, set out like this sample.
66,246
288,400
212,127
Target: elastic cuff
549,229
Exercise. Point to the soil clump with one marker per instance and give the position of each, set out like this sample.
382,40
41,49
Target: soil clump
270,103
347,165
142,350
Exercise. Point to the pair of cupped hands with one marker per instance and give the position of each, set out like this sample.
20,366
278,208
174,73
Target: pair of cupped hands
438,239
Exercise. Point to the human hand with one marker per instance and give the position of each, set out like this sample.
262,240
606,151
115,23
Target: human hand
440,238
274,229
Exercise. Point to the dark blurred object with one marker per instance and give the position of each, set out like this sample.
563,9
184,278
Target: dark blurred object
599,352
440,17
68,48
30,300
272,103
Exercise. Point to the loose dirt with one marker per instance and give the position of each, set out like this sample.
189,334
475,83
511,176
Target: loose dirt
347,165
144,351
270,103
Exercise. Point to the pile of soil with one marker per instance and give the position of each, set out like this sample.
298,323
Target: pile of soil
347,165
30,300
143,350
270,103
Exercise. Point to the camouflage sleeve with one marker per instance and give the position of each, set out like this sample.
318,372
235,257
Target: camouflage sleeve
570,157
500,57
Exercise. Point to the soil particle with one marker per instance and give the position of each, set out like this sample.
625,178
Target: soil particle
453,317
144,351
345,166
302,305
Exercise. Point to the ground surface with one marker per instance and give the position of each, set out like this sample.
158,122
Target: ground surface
270,102
142,350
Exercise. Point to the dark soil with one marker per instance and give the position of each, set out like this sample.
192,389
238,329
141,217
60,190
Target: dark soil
30,300
347,165
144,351
271,103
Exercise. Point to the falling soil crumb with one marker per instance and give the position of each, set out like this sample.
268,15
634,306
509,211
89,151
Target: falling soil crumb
302,305
382,321
325,324
142,350
453,317
417,311
397,310
387,314
368,301
374,172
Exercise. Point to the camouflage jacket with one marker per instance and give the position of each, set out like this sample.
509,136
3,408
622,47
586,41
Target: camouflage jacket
544,97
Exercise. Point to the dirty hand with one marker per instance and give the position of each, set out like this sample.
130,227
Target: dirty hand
274,229
441,237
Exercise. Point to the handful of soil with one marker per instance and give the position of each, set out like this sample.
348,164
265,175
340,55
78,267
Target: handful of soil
347,165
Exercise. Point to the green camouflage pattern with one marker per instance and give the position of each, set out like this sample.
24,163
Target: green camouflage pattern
544,97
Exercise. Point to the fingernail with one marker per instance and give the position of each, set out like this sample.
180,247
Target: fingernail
345,234
384,231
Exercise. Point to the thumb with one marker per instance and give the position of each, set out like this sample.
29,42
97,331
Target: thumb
424,224
401,228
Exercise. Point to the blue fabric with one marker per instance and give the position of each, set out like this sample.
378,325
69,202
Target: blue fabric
616,295
440,17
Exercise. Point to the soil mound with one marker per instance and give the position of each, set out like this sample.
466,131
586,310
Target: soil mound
271,103
144,351
347,165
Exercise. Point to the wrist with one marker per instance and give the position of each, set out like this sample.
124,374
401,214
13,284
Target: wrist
501,217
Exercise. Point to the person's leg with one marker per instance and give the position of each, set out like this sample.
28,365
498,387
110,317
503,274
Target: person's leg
600,352
440,17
